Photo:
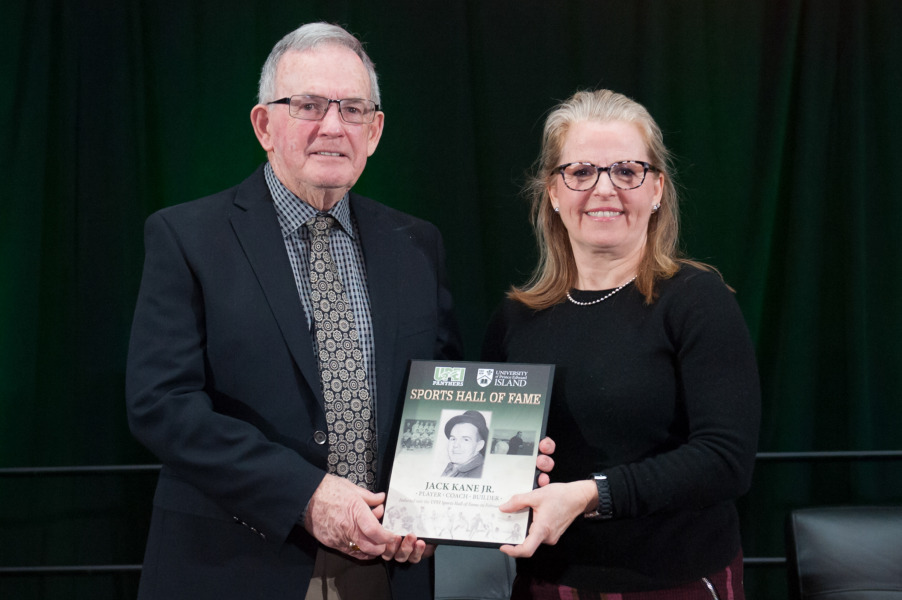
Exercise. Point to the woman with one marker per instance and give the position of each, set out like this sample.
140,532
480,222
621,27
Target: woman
655,407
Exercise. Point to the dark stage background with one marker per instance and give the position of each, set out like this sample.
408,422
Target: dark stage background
784,114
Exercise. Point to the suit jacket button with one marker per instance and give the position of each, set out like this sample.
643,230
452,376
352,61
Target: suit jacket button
319,437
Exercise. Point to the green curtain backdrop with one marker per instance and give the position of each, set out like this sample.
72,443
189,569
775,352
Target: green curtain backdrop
784,115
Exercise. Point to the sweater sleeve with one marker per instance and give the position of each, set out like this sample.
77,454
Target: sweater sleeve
719,390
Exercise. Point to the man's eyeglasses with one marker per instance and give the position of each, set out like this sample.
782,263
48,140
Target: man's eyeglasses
626,174
314,108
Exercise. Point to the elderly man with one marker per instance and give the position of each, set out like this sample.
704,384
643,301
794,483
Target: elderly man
269,346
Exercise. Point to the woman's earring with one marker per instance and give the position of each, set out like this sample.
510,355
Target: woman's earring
655,208
556,209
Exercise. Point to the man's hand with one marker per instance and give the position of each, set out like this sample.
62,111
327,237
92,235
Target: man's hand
408,549
345,517
341,514
544,462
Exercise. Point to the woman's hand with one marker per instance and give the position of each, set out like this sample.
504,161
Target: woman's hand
544,462
554,507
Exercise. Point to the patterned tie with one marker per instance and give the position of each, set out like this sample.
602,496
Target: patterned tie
349,414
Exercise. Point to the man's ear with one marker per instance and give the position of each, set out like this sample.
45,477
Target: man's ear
375,133
260,123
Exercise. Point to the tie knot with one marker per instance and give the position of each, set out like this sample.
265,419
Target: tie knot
320,225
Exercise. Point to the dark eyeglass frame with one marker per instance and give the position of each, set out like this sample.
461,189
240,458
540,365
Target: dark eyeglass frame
646,167
322,115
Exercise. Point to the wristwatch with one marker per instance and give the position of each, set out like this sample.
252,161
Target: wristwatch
605,508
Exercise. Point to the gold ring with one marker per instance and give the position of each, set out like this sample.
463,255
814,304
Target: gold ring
352,547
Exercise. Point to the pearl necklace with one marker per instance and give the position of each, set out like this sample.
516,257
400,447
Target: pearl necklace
602,299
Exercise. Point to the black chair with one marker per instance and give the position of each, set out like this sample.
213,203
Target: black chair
845,553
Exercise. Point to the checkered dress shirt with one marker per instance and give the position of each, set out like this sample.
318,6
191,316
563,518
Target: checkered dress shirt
344,245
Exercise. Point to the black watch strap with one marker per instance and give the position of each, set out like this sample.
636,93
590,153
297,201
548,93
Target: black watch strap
605,508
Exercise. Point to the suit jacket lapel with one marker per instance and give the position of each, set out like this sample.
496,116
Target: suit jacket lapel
257,227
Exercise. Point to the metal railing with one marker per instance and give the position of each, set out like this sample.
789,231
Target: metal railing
751,561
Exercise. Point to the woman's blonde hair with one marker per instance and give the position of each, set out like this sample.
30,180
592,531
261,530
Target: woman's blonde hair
556,272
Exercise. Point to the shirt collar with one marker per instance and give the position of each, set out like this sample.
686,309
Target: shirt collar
474,462
293,212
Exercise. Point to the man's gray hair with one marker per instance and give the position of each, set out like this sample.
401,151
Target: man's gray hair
307,37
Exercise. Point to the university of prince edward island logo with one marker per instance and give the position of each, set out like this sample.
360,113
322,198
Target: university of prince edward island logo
484,376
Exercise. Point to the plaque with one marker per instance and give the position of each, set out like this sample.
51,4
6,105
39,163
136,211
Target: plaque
467,442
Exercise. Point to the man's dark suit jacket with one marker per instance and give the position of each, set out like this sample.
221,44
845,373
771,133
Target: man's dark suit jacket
223,386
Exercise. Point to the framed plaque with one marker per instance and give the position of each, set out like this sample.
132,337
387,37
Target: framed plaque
467,442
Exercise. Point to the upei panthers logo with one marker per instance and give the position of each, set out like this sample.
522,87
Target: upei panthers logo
449,375
484,376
